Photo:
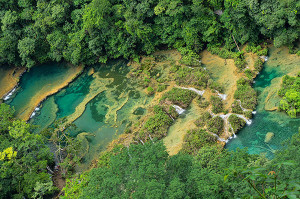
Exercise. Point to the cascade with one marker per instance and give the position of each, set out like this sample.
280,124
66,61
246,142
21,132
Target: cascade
8,96
222,96
34,112
178,109
195,90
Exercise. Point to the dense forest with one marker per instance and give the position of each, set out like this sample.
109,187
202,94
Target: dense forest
93,31
145,170
84,31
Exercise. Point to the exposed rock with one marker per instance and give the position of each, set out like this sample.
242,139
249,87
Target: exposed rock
268,137
91,71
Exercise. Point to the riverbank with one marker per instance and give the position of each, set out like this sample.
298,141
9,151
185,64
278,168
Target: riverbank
9,79
30,94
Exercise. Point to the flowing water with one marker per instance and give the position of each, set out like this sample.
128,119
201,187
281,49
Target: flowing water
102,103
267,84
37,84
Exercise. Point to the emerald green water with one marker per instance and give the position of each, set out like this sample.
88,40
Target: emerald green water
37,80
108,101
107,114
279,123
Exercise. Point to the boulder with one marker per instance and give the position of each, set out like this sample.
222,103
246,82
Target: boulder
268,137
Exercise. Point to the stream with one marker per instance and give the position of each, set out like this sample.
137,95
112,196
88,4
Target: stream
101,100
268,81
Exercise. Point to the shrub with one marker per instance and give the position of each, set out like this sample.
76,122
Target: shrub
290,91
178,96
157,125
201,121
258,64
249,73
213,85
150,90
236,122
161,87
172,112
215,125
217,104
248,114
196,139
246,94
197,77
263,52
235,107
240,63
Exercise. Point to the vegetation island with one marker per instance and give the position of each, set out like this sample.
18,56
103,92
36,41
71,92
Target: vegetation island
149,99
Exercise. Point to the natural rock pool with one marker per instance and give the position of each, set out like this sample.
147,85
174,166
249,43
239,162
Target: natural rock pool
101,100
267,84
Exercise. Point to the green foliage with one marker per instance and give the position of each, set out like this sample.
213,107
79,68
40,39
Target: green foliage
217,104
90,31
210,173
201,121
150,90
236,108
252,48
196,139
161,87
157,125
236,122
215,125
186,76
249,74
246,94
258,65
6,116
24,157
290,92
248,114
178,96
276,179
213,85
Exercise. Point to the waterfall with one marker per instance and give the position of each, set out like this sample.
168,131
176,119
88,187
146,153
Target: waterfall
241,105
34,112
248,122
195,90
222,96
228,125
253,112
220,139
178,109
8,96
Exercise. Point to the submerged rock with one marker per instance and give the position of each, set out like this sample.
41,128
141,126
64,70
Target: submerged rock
268,137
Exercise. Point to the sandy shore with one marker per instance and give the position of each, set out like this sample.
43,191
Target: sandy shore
9,79
46,91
